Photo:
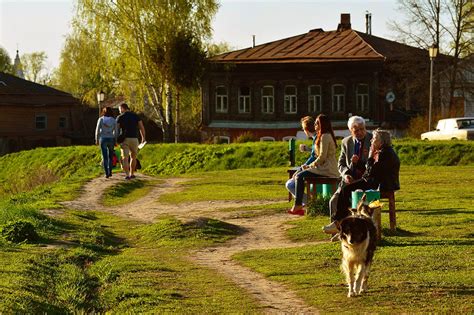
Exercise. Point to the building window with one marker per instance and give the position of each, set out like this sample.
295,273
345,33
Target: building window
41,122
267,100
221,99
338,97
62,124
362,93
244,99
314,99
290,99
266,138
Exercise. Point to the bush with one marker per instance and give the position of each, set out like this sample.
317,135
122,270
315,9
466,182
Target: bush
318,206
245,137
19,231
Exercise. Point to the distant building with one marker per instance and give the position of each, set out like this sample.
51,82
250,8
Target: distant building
18,67
266,89
34,115
463,97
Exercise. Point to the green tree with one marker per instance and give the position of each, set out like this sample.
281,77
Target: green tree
34,67
5,60
135,40
79,72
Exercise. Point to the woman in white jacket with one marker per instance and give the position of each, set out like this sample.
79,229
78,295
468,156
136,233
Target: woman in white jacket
106,135
324,165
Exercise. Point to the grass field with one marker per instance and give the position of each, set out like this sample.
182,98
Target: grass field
95,262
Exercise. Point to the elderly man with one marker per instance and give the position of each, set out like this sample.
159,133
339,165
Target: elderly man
353,157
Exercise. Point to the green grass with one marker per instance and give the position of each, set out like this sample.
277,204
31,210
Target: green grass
127,192
96,262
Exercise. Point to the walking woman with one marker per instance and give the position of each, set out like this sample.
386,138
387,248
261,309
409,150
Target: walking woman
324,165
105,135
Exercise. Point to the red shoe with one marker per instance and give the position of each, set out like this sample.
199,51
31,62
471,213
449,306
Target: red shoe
296,212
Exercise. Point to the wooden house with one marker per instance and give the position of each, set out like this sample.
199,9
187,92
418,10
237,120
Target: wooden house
266,89
34,115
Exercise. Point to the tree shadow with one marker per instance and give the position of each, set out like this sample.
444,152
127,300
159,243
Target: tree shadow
448,211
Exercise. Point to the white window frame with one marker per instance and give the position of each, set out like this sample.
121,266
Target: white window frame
222,100
217,139
288,138
266,138
362,99
315,104
338,100
244,101
290,100
268,101
41,116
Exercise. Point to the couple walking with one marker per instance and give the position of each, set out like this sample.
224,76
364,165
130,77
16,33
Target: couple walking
123,130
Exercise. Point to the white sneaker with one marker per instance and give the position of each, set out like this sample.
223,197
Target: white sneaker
330,228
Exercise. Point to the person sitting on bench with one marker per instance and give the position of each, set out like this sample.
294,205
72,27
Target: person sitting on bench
383,167
307,124
324,165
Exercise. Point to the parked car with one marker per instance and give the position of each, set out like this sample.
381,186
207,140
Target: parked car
461,128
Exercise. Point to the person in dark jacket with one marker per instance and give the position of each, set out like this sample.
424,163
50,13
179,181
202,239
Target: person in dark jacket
382,172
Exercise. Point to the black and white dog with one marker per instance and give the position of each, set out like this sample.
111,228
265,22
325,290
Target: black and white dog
358,242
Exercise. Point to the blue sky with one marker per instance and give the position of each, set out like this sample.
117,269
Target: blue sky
39,25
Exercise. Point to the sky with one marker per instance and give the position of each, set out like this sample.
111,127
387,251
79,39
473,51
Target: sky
42,25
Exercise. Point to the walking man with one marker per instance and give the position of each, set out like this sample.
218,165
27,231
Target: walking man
129,125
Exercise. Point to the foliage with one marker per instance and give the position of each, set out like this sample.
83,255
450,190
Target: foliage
34,67
5,60
137,40
19,231
318,206
245,137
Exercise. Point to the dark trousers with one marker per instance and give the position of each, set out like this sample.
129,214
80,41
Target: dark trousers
300,177
107,149
343,201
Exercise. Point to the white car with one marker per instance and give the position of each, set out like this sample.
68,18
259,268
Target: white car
461,128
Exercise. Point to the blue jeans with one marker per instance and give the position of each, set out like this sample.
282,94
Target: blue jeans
300,185
107,149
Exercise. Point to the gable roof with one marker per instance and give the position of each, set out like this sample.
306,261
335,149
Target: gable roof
320,46
18,91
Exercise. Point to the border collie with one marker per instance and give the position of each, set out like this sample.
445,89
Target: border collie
358,242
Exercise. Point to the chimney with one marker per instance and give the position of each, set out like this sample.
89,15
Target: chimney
253,41
345,22
368,22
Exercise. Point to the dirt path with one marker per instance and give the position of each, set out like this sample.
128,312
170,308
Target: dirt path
262,232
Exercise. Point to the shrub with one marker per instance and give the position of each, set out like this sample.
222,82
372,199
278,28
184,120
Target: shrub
19,231
318,206
245,137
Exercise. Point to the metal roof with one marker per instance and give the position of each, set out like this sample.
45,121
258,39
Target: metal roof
320,46
18,92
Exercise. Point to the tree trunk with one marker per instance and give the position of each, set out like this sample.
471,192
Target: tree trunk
176,119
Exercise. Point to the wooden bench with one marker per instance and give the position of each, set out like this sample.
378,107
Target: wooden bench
390,195
377,215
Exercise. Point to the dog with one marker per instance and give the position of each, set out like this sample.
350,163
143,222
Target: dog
358,242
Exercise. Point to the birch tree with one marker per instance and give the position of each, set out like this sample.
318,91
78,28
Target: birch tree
129,33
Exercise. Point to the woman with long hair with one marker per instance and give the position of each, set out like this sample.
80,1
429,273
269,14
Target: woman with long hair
325,164
105,136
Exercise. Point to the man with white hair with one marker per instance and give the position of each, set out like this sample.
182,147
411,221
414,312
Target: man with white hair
353,157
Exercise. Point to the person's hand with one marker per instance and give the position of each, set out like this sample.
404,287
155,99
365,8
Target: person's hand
348,179
355,159
303,148
305,167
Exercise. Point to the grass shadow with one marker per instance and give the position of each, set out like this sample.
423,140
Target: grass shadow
448,211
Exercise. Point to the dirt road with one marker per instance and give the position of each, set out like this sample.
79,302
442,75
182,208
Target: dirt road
261,232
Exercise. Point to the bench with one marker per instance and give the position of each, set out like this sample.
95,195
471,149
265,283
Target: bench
377,215
333,181
390,195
